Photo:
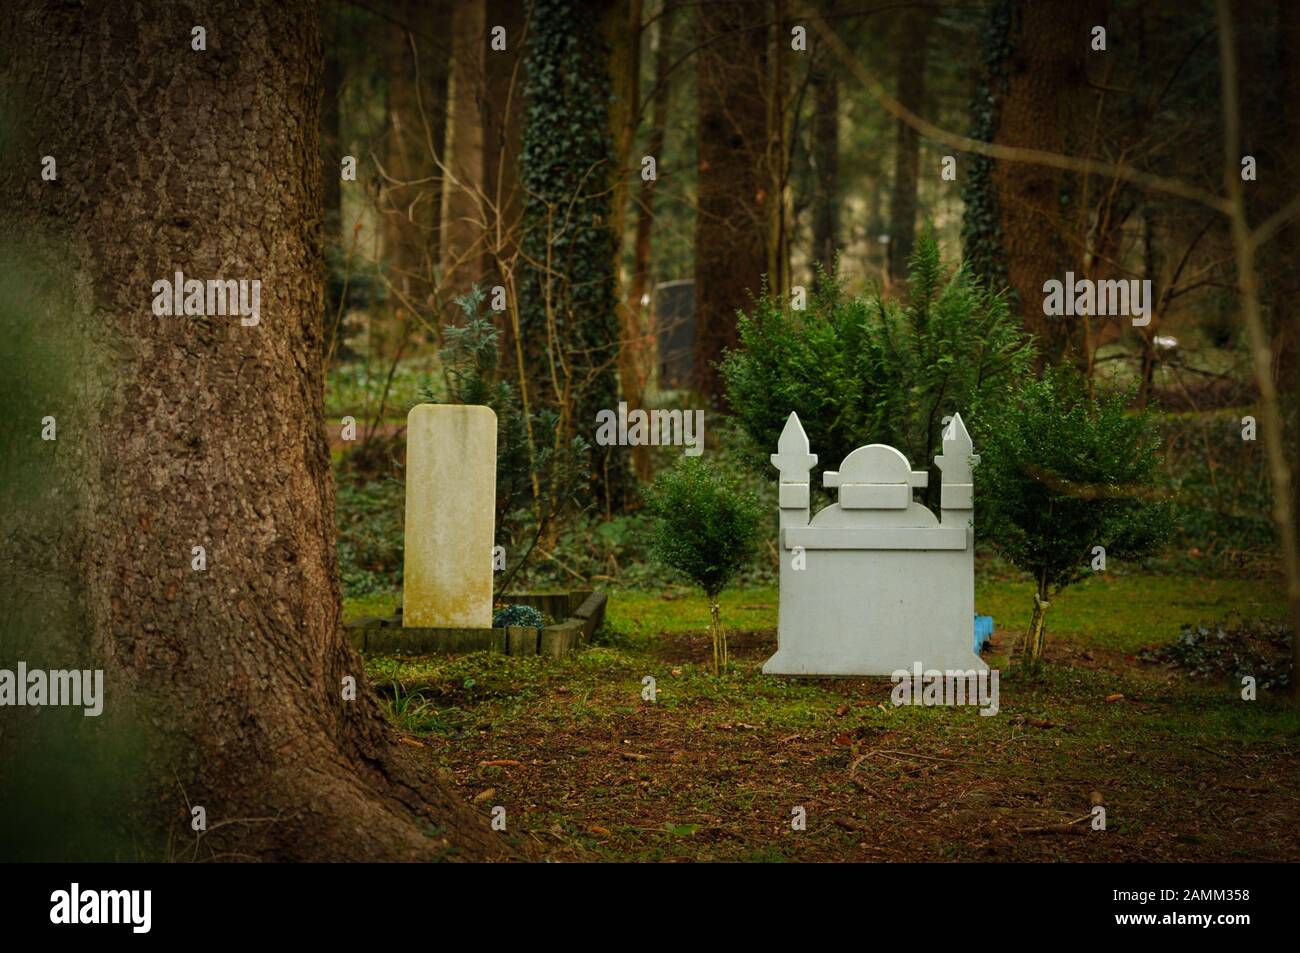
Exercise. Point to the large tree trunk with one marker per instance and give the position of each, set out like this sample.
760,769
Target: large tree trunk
732,203
1043,109
195,431
913,43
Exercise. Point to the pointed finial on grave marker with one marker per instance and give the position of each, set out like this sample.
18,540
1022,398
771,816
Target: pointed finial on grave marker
792,457
956,435
956,461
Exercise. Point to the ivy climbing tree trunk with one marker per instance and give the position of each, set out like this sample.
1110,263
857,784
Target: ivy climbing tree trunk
912,47
981,225
568,313
1044,108
200,431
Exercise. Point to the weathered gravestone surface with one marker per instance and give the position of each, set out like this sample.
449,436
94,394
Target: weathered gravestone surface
451,455
875,583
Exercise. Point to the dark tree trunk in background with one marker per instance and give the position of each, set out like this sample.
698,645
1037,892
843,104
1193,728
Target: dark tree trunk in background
411,195
732,203
913,42
464,240
621,29
981,226
826,154
503,120
777,159
206,432
491,112
642,330
1045,107
482,202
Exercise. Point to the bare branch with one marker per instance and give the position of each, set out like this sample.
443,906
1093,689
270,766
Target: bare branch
929,130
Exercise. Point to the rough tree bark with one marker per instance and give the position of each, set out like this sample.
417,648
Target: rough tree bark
204,431
1043,109
732,202
912,49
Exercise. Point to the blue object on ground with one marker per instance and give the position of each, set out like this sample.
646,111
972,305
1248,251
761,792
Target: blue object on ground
983,632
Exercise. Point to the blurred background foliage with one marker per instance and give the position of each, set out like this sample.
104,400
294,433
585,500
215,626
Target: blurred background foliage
462,169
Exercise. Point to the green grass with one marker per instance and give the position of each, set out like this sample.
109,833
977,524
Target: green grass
1120,611
592,771
1128,612
640,613
371,605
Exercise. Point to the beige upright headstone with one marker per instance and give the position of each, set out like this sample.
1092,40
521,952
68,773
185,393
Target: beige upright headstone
451,460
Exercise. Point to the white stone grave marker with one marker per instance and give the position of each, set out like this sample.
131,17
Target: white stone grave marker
451,459
882,584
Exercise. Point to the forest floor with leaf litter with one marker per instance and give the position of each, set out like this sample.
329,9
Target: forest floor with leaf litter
713,770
